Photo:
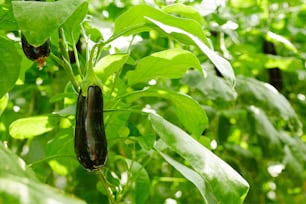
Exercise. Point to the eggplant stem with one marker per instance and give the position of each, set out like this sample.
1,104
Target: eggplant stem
106,186
63,63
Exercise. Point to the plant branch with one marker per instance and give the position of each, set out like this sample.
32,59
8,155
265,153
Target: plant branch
106,186
67,68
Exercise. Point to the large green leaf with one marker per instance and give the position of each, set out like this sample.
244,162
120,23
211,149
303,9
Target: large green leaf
11,163
9,65
212,87
188,111
171,63
189,174
225,183
278,38
295,154
109,65
32,126
133,21
19,185
278,144
38,20
268,136
251,91
185,30
221,64
23,190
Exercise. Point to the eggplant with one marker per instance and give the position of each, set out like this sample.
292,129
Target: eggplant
90,143
37,54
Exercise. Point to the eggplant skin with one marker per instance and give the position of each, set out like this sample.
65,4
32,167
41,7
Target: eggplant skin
37,54
90,143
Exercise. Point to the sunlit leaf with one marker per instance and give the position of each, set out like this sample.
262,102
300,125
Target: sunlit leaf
284,63
189,174
188,111
19,185
13,164
172,63
221,64
184,11
278,38
184,30
208,7
3,103
25,190
61,148
109,65
225,183
32,126
138,23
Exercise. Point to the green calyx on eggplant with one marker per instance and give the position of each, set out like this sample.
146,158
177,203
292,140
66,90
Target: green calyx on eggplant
90,141
37,54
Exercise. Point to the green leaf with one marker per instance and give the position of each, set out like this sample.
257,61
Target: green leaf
295,154
11,163
294,165
221,64
109,65
251,91
10,65
134,21
189,174
225,183
38,20
19,185
3,103
32,126
284,63
188,111
185,30
25,190
115,126
141,182
62,145
172,63
212,87
184,11
278,38
7,19
268,136
72,25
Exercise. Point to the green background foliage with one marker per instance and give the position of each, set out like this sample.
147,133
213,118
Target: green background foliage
204,101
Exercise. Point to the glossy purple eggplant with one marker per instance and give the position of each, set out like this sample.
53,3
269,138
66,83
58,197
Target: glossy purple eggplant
90,140
37,54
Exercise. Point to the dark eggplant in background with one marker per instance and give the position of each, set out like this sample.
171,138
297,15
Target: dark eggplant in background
37,54
90,140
